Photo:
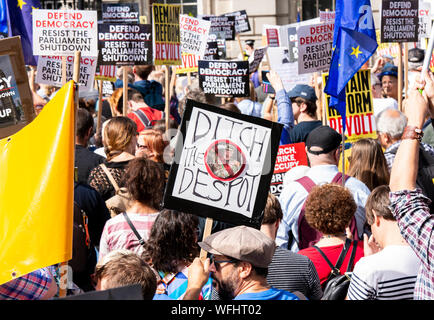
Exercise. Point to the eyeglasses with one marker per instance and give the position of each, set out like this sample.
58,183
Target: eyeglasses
141,146
218,262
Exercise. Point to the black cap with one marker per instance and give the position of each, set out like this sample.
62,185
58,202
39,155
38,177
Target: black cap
416,55
325,138
250,42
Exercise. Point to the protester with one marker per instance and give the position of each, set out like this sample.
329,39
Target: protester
329,209
124,269
85,160
238,265
389,81
407,203
249,105
368,164
144,180
389,268
151,90
230,107
323,151
120,139
170,249
288,271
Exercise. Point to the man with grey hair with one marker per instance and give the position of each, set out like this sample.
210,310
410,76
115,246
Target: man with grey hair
390,125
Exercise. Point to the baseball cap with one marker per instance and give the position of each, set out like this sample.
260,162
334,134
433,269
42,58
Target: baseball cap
389,70
323,137
242,243
416,55
303,91
250,42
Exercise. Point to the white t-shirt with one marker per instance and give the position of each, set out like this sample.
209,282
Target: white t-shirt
387,275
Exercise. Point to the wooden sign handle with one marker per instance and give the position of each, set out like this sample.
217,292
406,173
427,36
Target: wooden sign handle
206,233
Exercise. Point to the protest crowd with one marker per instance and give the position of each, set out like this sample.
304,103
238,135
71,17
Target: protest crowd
269,176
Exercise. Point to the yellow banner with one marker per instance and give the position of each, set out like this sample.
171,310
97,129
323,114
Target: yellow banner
36,190
189,64
360,122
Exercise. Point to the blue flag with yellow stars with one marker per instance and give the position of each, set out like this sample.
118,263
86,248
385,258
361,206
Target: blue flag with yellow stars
20,24
3,20
354,41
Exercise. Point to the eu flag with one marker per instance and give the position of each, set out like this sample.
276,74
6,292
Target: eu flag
3,20
354,41
20,24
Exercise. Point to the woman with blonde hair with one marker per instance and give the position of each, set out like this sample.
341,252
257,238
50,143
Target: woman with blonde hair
120,139
368,164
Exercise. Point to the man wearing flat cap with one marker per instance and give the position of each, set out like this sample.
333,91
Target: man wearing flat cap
238,264
323,147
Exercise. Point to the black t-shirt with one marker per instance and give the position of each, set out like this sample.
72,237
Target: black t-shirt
300,132
85,161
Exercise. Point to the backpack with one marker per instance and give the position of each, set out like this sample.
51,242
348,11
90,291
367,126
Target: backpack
308,236
119,202
337,284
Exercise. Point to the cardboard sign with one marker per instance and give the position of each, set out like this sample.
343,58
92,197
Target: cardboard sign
360,122
315,44
224,78
399,21
120,13
287,67
272,37
16,104
125,44
63,32
258,55
211,52
241,21
288,157
105,73
223,165
222,24
424,19
194,35
167,40
49,71
327,16
189,63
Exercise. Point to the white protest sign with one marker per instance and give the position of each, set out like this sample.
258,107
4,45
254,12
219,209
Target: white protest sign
63,32
424,19
194,35
315,44
49,71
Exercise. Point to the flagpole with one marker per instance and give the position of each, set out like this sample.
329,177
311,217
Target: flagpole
399,76
343,157
124,90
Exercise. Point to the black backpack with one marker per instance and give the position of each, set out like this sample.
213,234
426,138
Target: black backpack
336,286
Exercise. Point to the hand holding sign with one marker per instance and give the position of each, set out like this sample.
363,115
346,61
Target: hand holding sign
275,80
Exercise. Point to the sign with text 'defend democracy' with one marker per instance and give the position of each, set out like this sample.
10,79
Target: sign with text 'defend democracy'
63,32
223,165
399,21
167,34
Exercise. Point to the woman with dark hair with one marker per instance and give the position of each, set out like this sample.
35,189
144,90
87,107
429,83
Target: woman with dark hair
329,209
170,249
144,180
120,139
368,164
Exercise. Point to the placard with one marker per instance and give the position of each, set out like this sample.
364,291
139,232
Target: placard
211,52
315,44
272,37
327,16
125,44
222,24
167,34
16,104
223,165
258,55
127,13
189,63
194,35
424,19
399,21
288,157
360,122
105,73
224,78
63,32
49,71
241,21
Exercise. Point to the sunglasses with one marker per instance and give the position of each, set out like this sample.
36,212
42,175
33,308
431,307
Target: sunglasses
218,262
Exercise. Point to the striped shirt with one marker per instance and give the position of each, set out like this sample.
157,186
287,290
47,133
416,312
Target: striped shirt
390,152
387,275
410,209
294,272
117,234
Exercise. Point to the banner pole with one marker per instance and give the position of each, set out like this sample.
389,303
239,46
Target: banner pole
189,78
98,123
125,90
405,69
343,158
400,76
206,233
241,46
167,97
63,70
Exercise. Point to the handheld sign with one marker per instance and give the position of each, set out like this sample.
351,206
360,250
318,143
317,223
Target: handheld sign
167,37
189,64
16,104
211,52
399,21
258,55
120,13
223,165
194,35
125,44
64,32
241,21
222,24
288,157
49,71
360,121
272,37
224,78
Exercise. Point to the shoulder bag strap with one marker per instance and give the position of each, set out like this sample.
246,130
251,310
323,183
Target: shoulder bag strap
336,268
307,183
109,175
141,241
142,117
353,255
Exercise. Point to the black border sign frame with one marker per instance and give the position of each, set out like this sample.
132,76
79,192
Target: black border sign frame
220,214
